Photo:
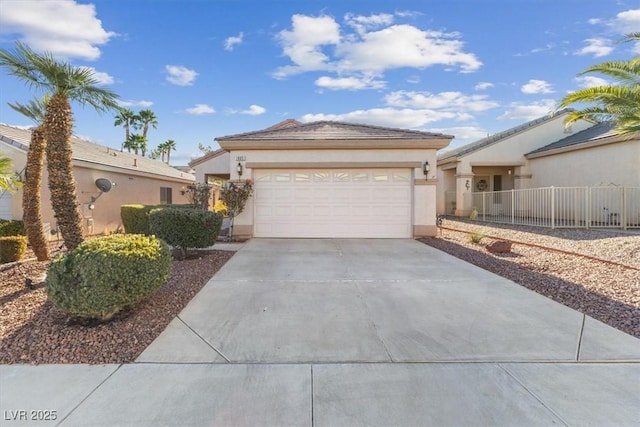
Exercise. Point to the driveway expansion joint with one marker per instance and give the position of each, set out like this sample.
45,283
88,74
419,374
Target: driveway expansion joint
204,340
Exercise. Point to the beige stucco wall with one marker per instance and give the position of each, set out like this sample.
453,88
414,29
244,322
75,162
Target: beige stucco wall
424,195
19,162
611,164
130,188
220,164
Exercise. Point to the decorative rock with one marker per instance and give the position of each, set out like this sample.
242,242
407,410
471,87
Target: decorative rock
499,247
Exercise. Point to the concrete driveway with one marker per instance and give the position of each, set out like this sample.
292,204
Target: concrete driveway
359,332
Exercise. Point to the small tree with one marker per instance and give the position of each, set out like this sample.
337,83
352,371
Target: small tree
199,195
235,198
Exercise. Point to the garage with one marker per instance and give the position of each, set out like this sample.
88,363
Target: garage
373,203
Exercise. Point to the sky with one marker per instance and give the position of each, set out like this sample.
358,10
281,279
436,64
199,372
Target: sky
211,68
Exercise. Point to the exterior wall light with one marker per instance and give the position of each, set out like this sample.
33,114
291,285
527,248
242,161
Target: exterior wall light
426,168
239,169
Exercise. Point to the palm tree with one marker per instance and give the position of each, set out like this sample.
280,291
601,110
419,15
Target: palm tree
619,102
8,179
31,200
65,82
127,119
169,145
136,142
147,118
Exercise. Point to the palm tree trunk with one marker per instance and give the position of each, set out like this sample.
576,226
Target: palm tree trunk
31,195
58,122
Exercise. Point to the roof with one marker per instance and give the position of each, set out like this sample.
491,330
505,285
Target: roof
87,151
330,130
599,131
500,136
208,156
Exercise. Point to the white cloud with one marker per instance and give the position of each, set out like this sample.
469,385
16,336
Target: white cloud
101,78
231,42
626,22
594,21
254,110
200,109
179,75
446,101
141,103
597,47
321,44
591,81
63,27
413,80
401,118
483,86
519,111
349,83
536,86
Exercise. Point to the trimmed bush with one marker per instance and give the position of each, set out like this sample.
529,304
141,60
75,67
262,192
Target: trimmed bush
12,248
12,227
135,218
105,275
185,228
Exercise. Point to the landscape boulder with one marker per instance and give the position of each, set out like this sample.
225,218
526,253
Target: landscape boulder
499,247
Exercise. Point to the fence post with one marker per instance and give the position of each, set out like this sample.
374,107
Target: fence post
588,207
483,205
553,207
623,209
513,206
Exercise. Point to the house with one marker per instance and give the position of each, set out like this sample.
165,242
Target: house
136,179
331,179
596,156
499,162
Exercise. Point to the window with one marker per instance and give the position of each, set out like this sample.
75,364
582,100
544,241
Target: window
165,195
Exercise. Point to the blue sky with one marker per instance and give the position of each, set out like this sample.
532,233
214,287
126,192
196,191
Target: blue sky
468,68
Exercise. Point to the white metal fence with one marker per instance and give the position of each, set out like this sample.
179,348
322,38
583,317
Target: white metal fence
556,207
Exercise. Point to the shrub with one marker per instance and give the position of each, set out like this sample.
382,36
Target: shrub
104,275
12,248
11,227
220,207
476,237
135,218
185,228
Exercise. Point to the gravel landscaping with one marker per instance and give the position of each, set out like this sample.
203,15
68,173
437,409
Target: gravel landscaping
33,331
605,290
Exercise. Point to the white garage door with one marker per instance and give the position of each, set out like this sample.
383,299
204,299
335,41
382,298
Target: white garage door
5,205
333,203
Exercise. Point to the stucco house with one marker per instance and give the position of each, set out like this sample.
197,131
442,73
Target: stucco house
331,179
137,180
500,162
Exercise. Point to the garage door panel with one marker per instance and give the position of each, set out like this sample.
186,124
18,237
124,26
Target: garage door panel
333,203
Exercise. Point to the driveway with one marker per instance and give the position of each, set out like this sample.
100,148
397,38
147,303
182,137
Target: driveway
360,332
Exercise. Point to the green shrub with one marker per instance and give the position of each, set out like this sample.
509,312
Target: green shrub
11,227
135,218
12,248
476,237
104,275
185,228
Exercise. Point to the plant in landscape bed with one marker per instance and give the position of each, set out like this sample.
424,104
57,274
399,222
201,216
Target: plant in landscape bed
235,197
185,228
105,275
476,237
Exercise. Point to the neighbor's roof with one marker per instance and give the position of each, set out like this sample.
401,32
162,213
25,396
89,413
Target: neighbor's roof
208,156
330,130
497,137
86,151
594,133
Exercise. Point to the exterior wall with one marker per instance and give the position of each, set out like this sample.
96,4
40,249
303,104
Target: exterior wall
220,164
424,220
611,164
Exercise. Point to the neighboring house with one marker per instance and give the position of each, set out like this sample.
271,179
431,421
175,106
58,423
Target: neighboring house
331,179
137,180
597,156
499,162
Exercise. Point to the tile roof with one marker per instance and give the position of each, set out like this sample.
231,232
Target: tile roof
83,150
330,130
599,131
497,137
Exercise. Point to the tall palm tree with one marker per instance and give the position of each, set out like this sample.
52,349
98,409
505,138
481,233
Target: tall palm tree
136,142
65,82
619,102
127,119
147,118
169,145
31,200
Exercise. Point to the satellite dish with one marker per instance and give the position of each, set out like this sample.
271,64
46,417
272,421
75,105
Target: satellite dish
104,185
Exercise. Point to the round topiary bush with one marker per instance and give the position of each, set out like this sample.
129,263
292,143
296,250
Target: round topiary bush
104,275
